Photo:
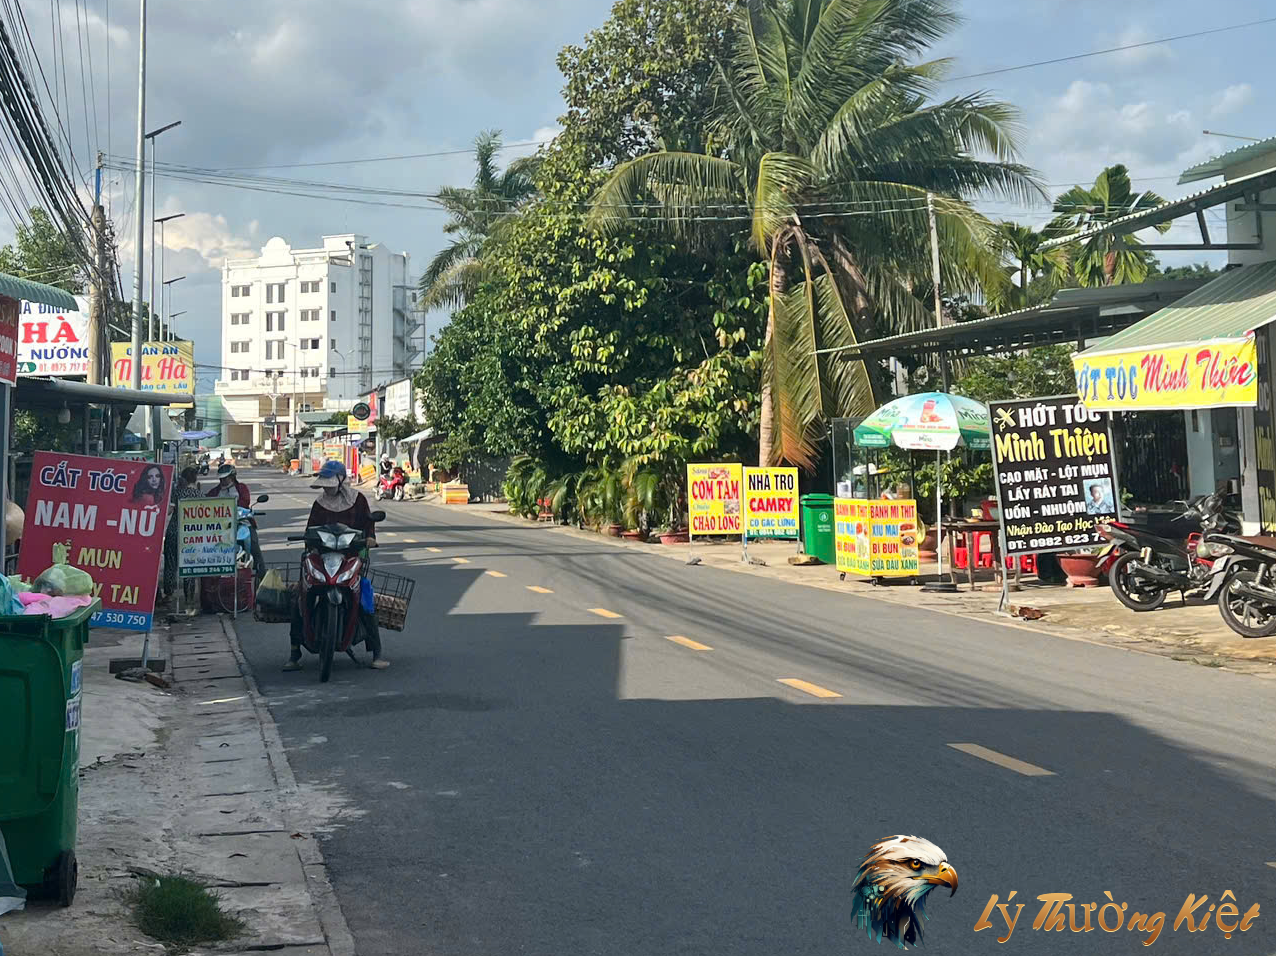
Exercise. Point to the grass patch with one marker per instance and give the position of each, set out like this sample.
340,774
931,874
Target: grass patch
181,911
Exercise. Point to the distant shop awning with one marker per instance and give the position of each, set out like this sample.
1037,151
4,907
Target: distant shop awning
419,436
14,288
56,392
1199,352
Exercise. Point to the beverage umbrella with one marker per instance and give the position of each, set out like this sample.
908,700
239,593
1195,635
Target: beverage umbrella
928,421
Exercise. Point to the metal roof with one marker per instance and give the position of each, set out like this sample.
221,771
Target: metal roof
1229,307
1205,199
1071,315
32,391
15,288
1216,166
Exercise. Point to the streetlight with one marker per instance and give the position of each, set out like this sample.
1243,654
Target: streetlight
172,318
151,136
164,330
161,221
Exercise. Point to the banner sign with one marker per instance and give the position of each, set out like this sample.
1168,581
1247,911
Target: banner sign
1056,474
111,514
167,367
53,342
1217,374
206,537
8,340
1265,435
713,500
771,503
876,537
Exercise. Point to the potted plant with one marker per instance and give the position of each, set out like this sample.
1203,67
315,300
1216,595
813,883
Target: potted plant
1080,566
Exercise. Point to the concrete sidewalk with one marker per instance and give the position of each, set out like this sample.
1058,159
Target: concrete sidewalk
1194,633
192,781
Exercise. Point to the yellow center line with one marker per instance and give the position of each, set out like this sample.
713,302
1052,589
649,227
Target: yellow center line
532,587
461,560
603,612
1272,864
815,690
409,541
1001,760
435,550
688,642
495,574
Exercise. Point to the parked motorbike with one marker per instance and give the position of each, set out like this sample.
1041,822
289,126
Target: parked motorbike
238,592
1148,566
1244,583
393,485
203,464
330,590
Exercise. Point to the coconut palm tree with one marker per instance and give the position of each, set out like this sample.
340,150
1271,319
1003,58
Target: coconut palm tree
477,212
1029,262
1105,259
828,149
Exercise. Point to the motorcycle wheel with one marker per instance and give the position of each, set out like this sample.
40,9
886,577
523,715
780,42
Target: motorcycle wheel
236,592
1127,589
398,493
1244,615
380,495
327,644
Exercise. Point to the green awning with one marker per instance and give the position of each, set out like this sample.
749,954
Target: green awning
1233,305
16,288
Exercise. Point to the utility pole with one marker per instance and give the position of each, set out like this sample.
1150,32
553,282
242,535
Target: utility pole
934,264
274,416
97,292
139,200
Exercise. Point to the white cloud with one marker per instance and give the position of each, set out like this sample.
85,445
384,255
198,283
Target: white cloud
1235,97
1143,55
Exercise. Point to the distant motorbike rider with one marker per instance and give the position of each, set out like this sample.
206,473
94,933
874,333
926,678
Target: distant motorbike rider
338,503
229,486
387,464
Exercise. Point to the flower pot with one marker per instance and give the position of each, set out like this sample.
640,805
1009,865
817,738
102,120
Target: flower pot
927,550
1080,569
636,535
675,537
615,530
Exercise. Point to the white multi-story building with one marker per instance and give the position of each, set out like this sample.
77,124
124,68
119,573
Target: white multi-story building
326,325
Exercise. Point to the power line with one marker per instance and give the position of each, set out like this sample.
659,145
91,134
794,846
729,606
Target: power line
384,159
1115,49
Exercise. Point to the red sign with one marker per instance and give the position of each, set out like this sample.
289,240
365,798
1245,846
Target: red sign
9,340
372,404
111,514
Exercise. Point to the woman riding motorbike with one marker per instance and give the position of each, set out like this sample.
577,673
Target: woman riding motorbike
338,503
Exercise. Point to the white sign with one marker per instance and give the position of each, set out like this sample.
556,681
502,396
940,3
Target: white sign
51,341
398,399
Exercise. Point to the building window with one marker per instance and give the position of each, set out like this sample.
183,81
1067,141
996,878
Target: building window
332,344
332,287
310,286
332,372
238,375
239,318
308,344
309,315
275,292
305,408
240,291
311,372
239,346
333,315
274,321
274,350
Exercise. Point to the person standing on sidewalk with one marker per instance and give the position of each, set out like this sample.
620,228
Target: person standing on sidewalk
188,487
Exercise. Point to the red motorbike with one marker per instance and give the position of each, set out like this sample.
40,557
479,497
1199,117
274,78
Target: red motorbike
330,590
393,485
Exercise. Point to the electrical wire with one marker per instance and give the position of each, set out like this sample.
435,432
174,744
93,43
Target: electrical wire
385,159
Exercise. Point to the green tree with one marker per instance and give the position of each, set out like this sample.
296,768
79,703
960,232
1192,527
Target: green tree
1040,272
823,140
1197,270
476,212
1105,259
42,253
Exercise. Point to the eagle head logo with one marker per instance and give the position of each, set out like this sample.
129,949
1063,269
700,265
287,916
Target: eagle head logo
889,895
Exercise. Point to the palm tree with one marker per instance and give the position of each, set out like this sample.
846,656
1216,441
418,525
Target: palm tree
829,149
1029,262
477,212
1105,259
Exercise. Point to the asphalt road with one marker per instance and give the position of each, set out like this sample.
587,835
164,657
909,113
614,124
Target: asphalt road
584,749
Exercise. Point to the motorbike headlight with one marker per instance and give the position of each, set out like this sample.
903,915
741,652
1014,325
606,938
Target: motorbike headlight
332,563
328,540
348,574
344,541
1205,550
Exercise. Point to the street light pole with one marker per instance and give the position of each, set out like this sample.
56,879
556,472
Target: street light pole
165,292
154,193
158,323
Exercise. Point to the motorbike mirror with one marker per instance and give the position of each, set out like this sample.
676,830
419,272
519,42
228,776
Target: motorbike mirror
378,516
262,499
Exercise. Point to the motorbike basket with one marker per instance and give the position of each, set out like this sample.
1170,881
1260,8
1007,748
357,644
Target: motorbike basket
270,612
391,593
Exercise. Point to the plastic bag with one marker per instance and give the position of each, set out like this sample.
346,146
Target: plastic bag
62,578
19,584
9,603
272,593
367,598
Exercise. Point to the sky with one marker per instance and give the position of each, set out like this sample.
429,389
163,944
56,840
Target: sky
320,81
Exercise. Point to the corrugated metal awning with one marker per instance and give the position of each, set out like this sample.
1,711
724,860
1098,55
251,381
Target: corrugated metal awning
15,288
1230,307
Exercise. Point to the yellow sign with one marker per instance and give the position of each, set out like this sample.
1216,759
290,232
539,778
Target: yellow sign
771,503
167,367
876,537
713,500
1218,374
354,426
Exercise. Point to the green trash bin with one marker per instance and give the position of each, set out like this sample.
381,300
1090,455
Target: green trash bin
817,527
40,693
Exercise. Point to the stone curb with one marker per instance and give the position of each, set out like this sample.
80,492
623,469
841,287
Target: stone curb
331,919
